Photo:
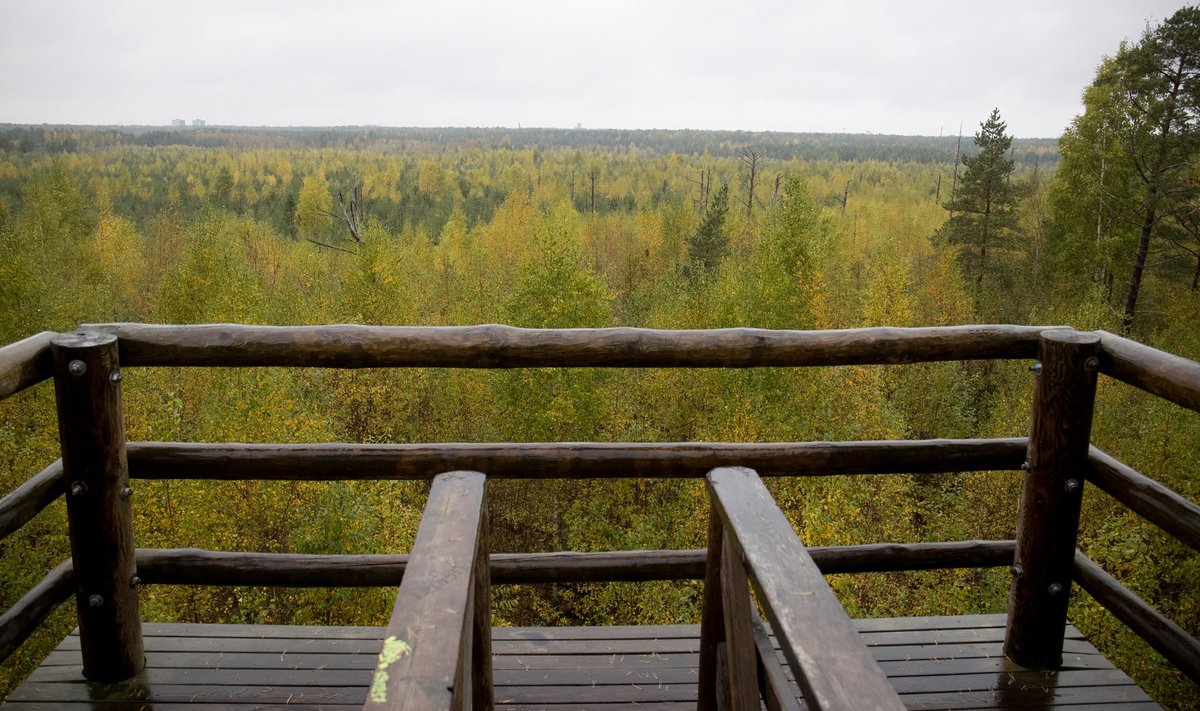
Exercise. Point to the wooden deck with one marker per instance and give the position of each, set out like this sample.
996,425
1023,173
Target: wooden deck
934,663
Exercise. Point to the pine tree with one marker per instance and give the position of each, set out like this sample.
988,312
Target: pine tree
983,218
710,244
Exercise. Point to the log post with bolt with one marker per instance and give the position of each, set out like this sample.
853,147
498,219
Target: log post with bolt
1048,519
87,386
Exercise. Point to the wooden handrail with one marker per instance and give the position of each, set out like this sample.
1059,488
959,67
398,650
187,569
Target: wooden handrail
24,617
25,363
429,659
1168,638
1166,375
28,499
1147,498
194,566
831,663
498,346
548,460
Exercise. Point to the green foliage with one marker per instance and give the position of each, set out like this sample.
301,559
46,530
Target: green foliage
983,218
1129,174
468,232
710,244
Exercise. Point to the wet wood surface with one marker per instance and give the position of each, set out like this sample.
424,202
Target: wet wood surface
194,667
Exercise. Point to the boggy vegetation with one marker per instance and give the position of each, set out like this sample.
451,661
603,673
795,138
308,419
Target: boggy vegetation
455,232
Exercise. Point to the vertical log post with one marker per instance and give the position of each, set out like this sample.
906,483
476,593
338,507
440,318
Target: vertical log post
741,656
92,434
712,616
1048,520
482,693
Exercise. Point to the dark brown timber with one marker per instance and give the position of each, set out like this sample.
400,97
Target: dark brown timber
776,691
832,665
1163,374
24,363
23,618
568,460
429,637
28,499
1168,638
92,433
193,566
712,617
497,346
1048,517
741,656
1149,499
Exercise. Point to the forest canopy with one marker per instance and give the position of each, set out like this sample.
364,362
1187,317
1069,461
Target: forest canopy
583,228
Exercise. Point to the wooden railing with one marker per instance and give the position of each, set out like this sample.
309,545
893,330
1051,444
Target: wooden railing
97,464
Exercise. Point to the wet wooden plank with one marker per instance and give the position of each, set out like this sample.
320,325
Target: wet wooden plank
542,676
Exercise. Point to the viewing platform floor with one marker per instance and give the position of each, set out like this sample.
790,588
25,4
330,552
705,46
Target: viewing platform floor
933,662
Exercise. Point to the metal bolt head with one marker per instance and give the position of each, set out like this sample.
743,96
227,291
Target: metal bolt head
76,367
1036,368
115,377
126,492
1025,465
1017,569
1091,364
1071,486
78,488
95,600
1055,588
135,581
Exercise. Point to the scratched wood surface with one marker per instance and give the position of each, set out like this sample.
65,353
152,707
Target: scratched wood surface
934,663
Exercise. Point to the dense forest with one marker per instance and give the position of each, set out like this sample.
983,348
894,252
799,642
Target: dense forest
575,228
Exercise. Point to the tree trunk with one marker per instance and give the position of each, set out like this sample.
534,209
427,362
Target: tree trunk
1196,275
1139,262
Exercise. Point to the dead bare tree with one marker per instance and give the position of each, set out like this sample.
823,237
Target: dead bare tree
844,197
705,182
352,212
752,162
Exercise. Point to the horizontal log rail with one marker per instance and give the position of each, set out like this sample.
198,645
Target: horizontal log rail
25,363
28,499
498,346
1168,376
1166,637
194,566
568,460
1149,499
23,618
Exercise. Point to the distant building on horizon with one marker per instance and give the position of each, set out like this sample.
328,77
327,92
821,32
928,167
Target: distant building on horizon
197,123
178,123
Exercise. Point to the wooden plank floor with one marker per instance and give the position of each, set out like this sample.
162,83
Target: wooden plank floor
934,663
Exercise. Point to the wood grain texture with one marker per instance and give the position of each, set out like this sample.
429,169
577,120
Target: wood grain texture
567,460
28,499
290,668
195,566
825,652
741,655
428,640
1168,638
25,363
24,617
712,617
499,346
92,435
1149,499
1166,375
1051,495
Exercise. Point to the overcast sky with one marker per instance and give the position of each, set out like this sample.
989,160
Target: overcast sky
901,66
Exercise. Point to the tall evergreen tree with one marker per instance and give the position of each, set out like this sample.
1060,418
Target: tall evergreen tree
1128,175
710,244
983,218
